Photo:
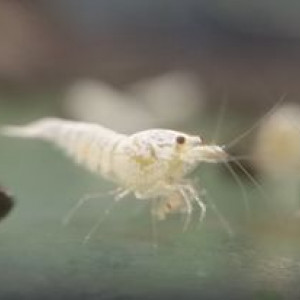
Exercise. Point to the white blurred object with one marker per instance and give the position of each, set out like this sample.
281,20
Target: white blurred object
161,101
277,147
277,156
94,101
172,97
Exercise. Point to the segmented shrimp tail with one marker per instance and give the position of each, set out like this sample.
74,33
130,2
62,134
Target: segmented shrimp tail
45,129
88,144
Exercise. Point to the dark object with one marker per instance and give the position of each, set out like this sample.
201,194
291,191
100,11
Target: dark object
180,140
6,203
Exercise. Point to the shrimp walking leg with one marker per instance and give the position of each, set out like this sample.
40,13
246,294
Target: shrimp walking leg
189,208
121,195
66,220
153,223
199,202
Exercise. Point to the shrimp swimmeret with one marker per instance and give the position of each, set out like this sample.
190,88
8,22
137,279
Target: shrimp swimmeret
151,164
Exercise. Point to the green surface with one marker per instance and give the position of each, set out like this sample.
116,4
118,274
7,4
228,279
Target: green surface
42,259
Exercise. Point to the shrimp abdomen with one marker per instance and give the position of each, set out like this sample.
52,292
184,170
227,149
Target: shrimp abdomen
89,144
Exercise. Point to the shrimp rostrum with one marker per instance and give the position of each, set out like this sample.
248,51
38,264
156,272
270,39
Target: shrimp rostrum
151,164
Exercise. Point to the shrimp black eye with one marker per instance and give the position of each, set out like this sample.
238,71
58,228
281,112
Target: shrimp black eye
180,140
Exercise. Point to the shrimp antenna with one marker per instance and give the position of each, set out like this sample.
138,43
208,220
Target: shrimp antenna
215,136
242,188
220,120
251,178
257,123
220,216
240,158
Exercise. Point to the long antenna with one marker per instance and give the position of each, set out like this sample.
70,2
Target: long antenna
220,119
251,178
242,188
257,123
219,215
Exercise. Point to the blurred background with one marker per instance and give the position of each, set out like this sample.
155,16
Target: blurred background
214,68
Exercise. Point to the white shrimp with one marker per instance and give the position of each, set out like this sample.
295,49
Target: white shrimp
151,164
